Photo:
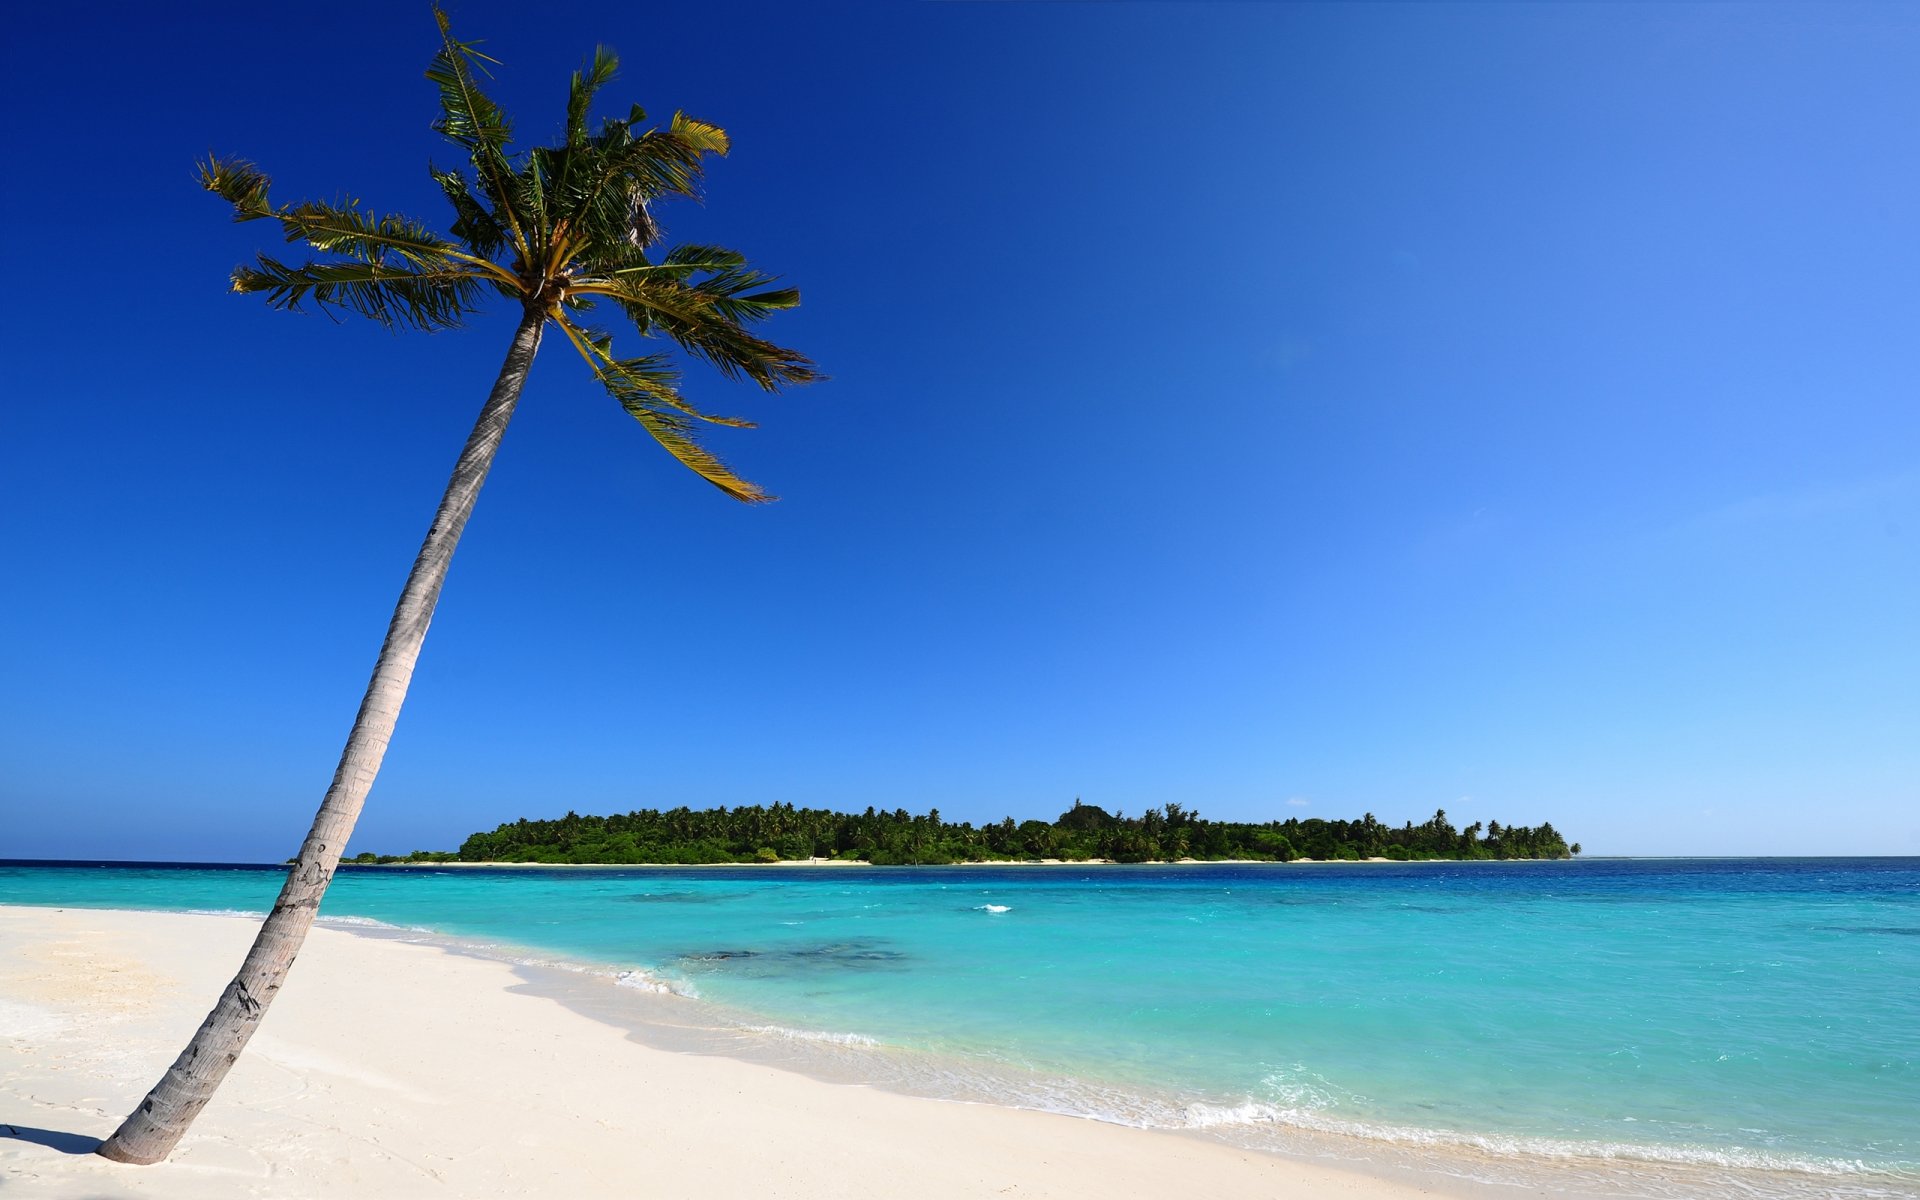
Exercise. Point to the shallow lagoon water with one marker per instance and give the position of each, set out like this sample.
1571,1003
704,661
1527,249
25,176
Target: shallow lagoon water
1681,1019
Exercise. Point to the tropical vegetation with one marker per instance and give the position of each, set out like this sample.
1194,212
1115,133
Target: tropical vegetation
782,832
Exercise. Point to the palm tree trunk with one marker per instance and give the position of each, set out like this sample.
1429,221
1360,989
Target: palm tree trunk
150,1133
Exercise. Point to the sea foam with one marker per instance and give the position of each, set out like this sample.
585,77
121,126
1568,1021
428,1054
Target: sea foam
811,1035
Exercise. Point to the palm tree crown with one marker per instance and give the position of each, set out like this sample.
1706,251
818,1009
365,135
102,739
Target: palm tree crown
558,228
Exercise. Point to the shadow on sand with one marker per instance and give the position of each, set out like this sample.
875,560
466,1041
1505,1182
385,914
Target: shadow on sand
52,1139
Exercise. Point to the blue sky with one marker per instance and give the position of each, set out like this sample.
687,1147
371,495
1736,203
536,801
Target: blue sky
1282,410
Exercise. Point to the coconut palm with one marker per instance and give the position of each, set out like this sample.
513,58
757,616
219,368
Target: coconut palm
558,230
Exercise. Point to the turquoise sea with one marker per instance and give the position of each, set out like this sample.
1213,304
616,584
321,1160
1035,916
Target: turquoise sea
1642,1027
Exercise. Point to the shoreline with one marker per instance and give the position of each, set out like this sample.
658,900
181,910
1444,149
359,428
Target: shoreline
790,863
397,1067
413,1015
829,863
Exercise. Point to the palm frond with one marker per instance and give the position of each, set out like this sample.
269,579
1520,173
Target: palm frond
603,259
658,372
472,121
472,223
678,261
338,228
421,298
598,74
345,229
698,320
722,276
647,387
738,292
240,184
668,160
702,137
530,200
697,257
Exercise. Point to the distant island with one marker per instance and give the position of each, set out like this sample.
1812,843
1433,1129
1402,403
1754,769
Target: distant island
781,832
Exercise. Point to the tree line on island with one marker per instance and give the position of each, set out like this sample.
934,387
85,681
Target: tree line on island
782,832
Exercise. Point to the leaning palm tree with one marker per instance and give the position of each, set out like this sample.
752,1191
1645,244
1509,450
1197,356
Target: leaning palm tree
557,230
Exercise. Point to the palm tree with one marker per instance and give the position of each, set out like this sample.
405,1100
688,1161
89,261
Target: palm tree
557,230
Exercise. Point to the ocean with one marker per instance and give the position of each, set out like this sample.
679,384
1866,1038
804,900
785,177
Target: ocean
1703,1027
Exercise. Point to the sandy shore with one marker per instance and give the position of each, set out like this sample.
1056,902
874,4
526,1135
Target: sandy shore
856,862
389,1069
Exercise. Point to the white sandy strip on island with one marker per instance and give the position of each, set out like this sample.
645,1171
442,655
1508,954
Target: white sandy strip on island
389,1069
427,864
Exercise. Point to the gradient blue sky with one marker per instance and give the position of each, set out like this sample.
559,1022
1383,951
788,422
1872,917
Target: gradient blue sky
1284,410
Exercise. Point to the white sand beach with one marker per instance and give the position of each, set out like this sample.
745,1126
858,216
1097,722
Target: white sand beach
389,1069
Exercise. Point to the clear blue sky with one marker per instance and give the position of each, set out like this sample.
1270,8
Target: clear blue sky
1283,410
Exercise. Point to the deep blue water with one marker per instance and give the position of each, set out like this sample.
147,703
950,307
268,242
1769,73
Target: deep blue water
1739,1013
